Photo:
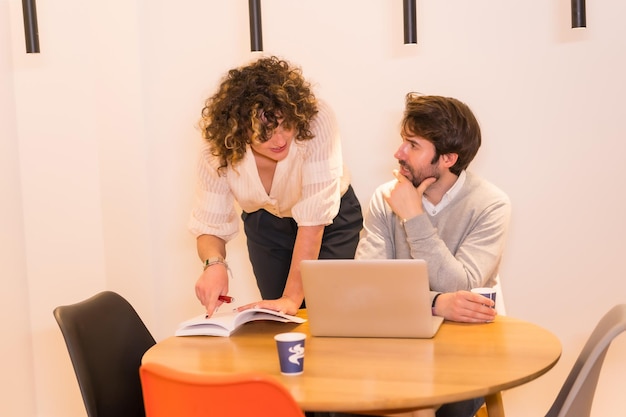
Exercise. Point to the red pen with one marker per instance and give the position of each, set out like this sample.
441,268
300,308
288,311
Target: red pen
226,298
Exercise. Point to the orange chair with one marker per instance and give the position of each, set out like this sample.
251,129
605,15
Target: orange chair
171,393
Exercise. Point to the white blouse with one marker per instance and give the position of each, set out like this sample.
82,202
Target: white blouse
307,185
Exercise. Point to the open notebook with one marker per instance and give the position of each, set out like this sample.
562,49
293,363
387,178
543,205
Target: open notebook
368,298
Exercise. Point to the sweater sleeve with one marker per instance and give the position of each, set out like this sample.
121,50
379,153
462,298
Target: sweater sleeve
465,251
462,245
378,234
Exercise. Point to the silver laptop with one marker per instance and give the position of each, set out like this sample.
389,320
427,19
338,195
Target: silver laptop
368,298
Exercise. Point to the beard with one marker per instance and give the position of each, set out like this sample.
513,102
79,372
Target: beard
416,175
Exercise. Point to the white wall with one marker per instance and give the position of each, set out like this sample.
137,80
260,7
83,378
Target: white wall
98,148
16,379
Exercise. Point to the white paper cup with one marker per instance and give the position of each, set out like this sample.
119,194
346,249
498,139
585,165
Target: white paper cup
290,352
487,292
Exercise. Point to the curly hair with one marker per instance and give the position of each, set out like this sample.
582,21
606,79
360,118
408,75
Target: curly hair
447,123
251,102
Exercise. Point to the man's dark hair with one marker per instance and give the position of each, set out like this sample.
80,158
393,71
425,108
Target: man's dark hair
447,123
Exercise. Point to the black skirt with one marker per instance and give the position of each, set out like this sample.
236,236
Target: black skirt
271,241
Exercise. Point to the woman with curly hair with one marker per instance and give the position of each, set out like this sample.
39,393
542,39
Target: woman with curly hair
275,150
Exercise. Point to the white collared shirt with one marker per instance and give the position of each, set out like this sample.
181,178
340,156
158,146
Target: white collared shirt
432,209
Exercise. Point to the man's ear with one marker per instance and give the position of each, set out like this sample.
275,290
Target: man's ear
449,159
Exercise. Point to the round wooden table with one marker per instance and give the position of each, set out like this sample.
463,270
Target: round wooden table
367,375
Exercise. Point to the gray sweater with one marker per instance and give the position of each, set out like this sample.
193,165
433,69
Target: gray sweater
462,244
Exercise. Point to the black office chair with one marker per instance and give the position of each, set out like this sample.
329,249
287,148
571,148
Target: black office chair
106,340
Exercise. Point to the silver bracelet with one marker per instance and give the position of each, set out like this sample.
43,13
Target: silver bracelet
215,260
218,260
